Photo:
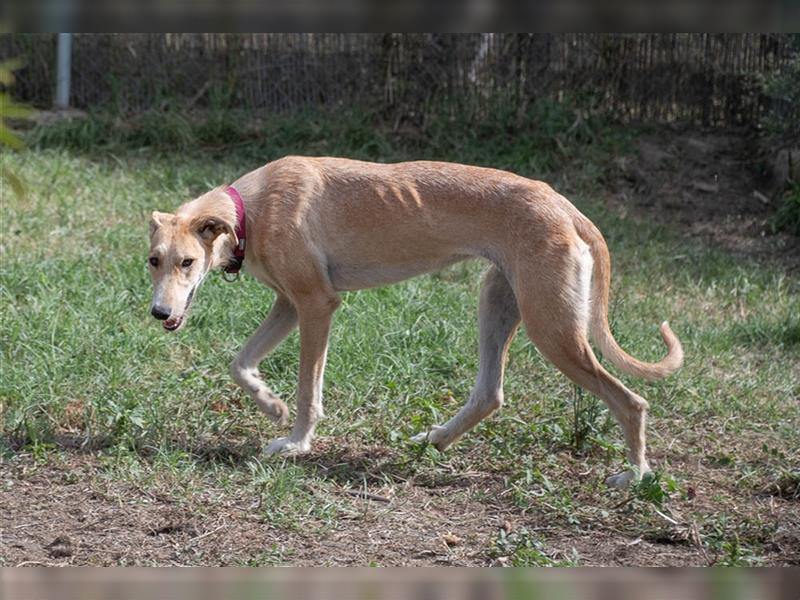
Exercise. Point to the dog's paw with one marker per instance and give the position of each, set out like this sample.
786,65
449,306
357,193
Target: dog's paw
273,407
437,437
622,480
287,447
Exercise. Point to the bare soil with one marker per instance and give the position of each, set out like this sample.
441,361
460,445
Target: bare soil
714,186
68,511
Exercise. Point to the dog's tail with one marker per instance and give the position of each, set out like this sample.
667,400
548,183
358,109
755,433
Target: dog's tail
598,316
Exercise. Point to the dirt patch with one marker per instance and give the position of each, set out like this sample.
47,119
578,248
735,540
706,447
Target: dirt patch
712,185
69,511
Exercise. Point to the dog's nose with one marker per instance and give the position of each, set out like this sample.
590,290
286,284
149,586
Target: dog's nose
160,313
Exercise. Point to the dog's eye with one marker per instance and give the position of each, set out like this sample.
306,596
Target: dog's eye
187,262
153,260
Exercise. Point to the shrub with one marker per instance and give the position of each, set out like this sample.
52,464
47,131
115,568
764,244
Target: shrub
781,127
12,110
787,218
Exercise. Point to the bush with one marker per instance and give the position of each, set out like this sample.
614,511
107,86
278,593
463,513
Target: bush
787,218
541,138
10,110
781,127
781,124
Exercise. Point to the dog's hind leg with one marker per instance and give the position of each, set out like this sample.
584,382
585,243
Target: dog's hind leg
280,322
574,357
555,311
498,321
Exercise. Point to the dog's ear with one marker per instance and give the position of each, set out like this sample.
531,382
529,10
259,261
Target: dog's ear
208,228
157,219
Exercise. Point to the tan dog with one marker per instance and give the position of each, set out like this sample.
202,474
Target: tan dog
318,226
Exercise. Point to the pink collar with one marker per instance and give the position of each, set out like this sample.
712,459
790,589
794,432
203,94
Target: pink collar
235,265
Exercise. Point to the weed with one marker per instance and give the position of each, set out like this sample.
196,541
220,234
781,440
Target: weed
285,496
275,556
521,548
587,428
725,543
654,488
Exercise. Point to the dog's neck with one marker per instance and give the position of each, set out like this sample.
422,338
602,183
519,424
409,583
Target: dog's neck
235,265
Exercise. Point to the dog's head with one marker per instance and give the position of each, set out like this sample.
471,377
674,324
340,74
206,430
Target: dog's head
183,249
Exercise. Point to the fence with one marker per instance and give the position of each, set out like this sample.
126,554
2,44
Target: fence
709,79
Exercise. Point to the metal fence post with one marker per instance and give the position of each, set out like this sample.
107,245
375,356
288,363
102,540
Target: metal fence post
63,65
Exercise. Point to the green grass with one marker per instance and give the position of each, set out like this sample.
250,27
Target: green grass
81,357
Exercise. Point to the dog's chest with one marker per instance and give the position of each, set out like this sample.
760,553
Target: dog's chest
262,274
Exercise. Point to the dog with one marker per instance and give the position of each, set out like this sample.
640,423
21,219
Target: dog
310,228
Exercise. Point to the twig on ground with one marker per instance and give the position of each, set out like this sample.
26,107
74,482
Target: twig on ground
699,543
367,495
206,534
627,500
669,519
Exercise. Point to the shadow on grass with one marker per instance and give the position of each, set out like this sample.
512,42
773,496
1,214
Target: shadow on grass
230,454
369,466
767,333
233,453
79,444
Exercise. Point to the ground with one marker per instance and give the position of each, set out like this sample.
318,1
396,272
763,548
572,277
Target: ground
123,445
711,186
370,510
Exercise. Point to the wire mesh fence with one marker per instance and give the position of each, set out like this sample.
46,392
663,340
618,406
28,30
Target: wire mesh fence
709,79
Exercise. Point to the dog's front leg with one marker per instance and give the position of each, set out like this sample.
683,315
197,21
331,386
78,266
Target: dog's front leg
315,314
280,322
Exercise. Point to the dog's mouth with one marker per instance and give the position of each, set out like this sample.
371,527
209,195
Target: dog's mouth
172,324
175,323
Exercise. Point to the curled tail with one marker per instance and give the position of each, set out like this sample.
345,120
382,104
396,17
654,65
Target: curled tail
598,318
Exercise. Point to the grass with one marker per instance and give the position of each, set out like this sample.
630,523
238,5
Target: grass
83,364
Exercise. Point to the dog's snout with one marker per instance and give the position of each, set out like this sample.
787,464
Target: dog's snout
160,312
